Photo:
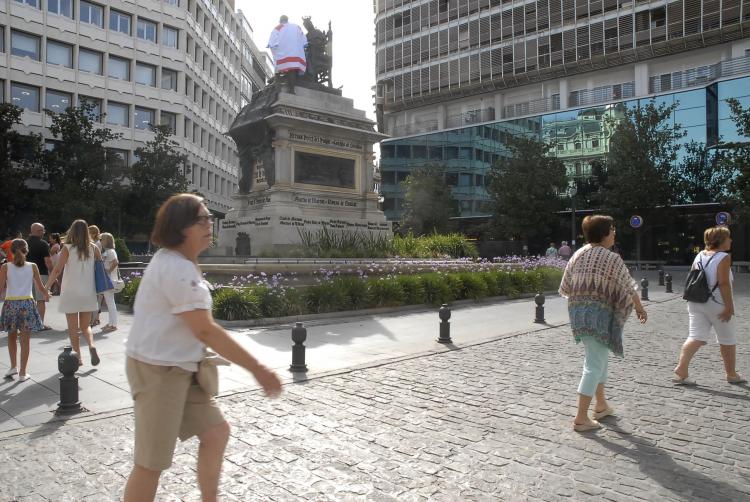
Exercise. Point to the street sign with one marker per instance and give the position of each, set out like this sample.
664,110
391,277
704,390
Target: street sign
723,218
636,221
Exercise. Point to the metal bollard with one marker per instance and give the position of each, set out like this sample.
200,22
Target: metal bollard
668,282
644,289
67,364
661,277
299,335
445,326
539,299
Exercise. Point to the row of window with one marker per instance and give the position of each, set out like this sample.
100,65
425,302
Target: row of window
212,182
92,13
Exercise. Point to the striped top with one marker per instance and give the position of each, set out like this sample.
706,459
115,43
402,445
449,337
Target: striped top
600,291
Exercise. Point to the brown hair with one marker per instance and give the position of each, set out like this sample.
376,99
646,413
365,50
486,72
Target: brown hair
19,248
94,232
596,227
78,236
715,236
108,241
175,215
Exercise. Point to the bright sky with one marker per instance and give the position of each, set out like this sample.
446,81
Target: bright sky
353,37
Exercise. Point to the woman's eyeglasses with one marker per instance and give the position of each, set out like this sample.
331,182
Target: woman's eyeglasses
205,218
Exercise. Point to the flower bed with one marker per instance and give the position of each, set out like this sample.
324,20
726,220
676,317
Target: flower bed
377,285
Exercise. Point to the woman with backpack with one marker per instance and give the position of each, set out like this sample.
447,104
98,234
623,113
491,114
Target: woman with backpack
717,312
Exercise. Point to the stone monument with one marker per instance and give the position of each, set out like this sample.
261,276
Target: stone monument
306,163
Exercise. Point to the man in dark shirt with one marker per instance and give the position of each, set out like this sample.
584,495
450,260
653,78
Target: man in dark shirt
39,254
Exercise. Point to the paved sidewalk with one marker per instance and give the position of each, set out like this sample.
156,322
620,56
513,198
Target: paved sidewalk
486,422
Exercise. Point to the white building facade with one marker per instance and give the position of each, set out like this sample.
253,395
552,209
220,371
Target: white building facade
451,74
189,64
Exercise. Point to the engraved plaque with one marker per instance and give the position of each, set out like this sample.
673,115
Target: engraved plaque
315,169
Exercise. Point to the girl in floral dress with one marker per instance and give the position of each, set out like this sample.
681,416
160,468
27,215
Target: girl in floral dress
19,313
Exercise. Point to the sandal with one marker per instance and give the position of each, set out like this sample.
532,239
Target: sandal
594,425
94,356
738,379
598,415
678,380
108,328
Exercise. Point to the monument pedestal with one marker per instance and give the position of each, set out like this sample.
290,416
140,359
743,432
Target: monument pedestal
308,157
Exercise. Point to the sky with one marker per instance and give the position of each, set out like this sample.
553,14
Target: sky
353,37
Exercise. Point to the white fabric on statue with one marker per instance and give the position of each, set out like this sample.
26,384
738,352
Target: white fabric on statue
287,44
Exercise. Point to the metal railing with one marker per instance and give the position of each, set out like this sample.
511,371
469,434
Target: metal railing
415,128
536,106
472,117
697,76
603,94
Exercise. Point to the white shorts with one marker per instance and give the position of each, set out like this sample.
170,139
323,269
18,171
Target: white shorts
704,315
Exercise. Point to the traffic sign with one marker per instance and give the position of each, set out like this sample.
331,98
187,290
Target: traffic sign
723,218
636,221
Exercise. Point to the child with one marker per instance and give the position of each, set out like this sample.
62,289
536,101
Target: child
19,310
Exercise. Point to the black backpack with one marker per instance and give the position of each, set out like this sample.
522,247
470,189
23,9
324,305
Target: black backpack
696,284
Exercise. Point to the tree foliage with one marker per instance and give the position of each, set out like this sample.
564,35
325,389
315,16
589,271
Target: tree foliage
736,160
525,187
428,203
642,152
159,173
18,157
702,175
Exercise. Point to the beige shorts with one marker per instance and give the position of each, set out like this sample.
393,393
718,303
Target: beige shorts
168,404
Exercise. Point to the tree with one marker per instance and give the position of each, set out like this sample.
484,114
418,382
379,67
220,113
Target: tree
428,203
525,188
80,184
736,159
18,157
159,173
702,175
642,152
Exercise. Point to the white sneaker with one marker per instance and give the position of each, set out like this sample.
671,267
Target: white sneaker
23,378
11,372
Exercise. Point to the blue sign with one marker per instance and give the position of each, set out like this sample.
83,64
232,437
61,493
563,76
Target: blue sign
723,218
636,221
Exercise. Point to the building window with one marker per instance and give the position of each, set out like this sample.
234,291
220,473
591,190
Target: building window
2,38
118,68
170,120
57,101
59,53
176,3
169,36
146,30
61,7
24,45
117,160
32,3
168,79
2,91
24,96
90,61
91,13
143,117
145,74
118,114
119,21
95,112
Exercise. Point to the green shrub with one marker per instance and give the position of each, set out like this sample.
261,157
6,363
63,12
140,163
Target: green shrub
123,253
272,301
474,285
355,292
551,278
491,283
385,292
412,287
325,297
127,295
455,287
232,304
295,301
436,289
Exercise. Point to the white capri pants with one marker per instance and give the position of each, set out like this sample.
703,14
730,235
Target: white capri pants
703,316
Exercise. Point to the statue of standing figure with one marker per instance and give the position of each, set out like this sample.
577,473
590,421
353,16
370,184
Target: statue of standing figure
319,53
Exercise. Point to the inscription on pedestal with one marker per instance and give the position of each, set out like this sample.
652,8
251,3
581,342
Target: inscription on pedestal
324,170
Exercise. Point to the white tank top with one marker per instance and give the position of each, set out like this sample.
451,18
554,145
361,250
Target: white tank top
20,280
712,274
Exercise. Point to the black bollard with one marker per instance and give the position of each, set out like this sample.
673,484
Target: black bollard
661,277
299,335
668,282
445,326
539,299
644,289
67,364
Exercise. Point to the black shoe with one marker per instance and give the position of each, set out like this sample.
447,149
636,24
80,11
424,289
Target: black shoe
94,356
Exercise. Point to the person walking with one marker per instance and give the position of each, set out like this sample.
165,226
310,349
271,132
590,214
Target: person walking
55,245
96,240
551,250
7,254
110,265
716,313
601,295
78,292
564,252
19,313
165,348
39,254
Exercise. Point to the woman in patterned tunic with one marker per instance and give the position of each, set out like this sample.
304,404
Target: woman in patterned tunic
601,294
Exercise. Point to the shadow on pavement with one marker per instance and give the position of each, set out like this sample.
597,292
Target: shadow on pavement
659,465
731,395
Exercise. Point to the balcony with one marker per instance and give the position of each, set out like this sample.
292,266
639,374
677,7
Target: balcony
604,94
533,107
414,128
700,75
470,117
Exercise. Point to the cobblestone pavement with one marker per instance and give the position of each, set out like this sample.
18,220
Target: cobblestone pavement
490,422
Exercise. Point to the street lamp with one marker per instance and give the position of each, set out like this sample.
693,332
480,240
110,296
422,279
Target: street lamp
572,191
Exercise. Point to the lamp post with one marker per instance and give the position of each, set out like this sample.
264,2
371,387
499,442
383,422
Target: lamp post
573,191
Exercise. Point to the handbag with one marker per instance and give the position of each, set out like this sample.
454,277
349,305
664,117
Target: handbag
102,282
118,283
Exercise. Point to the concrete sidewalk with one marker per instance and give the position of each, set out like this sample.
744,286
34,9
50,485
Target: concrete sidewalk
332,345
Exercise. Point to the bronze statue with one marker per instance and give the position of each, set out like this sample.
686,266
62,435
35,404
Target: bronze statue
319,53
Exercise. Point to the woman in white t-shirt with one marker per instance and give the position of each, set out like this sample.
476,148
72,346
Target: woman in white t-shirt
109,255
717,312
172,327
